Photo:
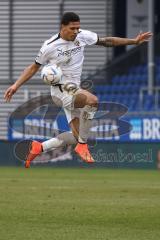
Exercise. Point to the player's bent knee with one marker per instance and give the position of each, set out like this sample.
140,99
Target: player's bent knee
92,101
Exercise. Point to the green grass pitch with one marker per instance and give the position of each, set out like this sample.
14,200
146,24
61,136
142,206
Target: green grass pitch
87,204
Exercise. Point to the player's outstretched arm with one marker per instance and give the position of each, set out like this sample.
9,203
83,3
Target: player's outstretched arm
24,77
116,41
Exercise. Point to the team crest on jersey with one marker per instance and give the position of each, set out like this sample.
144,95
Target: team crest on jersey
77,43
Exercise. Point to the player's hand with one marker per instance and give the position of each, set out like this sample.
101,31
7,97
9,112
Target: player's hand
143,37
9,93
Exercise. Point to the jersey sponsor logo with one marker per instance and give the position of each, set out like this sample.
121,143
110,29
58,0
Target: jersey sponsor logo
69,52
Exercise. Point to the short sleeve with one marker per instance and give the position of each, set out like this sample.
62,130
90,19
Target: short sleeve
89,37
41,56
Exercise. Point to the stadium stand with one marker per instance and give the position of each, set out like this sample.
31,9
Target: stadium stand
128,88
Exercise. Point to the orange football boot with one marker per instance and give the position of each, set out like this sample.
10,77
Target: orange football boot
82,150
34,151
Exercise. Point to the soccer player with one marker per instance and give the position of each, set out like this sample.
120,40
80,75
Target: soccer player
66,49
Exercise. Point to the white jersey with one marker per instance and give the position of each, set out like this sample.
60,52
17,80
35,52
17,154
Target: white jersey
69,55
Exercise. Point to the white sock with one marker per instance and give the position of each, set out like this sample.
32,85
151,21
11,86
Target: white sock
65,138
87,114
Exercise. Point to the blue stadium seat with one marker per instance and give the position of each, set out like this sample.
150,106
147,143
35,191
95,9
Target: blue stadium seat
149,102
125,88
115,79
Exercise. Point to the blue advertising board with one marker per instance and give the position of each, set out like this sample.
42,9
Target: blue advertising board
143,128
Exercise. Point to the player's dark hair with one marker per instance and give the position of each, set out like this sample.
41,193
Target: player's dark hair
69,17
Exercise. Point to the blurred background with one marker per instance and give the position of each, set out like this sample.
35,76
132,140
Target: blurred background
125,75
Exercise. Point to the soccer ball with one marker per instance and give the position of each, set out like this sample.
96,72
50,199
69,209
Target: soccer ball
51,74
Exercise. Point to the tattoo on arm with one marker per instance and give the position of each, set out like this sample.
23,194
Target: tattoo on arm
105,42
115,41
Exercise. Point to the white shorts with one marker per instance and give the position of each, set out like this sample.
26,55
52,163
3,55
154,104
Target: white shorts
66,101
